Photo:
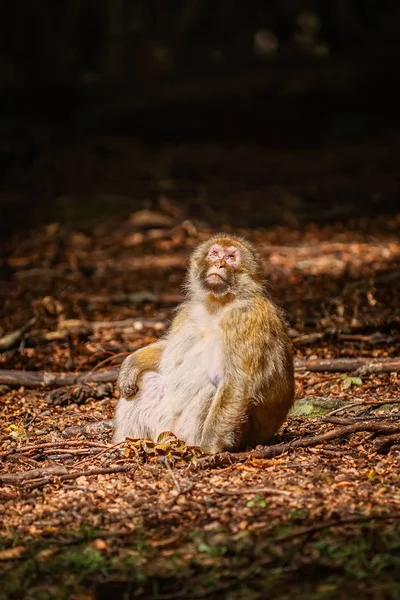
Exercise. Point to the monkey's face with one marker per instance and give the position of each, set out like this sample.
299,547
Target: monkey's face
224,265
219,268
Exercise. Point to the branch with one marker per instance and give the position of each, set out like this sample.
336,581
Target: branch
91,429
32,484
81,326
37,379
227,458
332,365
383,444
345,365
12,338
328,524
250,491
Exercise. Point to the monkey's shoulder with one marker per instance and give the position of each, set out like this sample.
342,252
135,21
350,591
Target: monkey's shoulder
259,311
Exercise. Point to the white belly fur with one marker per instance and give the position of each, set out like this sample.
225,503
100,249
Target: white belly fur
177,398
191,369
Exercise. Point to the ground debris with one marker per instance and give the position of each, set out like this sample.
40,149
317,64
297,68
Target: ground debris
323,498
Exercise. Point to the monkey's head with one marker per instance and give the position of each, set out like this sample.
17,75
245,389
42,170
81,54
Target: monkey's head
225,265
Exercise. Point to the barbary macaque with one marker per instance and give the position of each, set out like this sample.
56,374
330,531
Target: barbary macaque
222,377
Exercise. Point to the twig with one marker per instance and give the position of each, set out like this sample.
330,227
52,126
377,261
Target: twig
90,429
78,325
132,298
68,444
362,403
179,489
105,471
384,443
12,338
36,379
346,365
248,491
109,449
165,461
32,474
345,407
329,524
226,458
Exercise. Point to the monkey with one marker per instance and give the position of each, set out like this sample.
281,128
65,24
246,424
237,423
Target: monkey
222,376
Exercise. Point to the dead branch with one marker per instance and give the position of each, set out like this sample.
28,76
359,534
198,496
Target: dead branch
340,523
176,483
133,298
32,474
37,379
90,430
313,337
362,366
97,454
31,485
332,365
227,458
52,445
249,491
361,402
80,326
12,338
79,393
384,443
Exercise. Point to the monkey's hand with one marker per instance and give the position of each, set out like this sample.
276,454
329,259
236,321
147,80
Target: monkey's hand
145,359
127,381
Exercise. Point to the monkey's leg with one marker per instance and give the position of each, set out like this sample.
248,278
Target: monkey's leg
225,420
139,419
237,419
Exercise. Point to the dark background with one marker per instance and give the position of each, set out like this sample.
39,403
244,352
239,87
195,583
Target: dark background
108,105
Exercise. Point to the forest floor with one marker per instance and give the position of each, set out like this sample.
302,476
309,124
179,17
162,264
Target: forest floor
81,518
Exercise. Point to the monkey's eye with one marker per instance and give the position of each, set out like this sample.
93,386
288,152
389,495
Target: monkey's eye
231,257
214,253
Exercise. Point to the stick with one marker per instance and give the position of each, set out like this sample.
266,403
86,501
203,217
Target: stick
329,524
172,475
332,365
260,490
55,445
226,458
361,402
10,339
382,444
32,474
345,365
37,379
68,325
64,477
90,458
92,429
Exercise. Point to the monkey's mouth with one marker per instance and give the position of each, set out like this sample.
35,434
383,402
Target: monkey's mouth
215,279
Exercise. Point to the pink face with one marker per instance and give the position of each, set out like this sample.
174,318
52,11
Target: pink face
230,255
222,261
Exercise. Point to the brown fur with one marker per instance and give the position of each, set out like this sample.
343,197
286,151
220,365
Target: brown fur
256,389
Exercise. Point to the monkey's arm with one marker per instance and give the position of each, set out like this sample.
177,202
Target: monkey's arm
145,359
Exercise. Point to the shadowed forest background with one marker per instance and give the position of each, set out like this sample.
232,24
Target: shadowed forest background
130,132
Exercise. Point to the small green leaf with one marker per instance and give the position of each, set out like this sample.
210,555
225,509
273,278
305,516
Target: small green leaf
258,500
349,381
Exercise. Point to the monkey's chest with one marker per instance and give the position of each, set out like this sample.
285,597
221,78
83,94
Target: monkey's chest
192,367
192,371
